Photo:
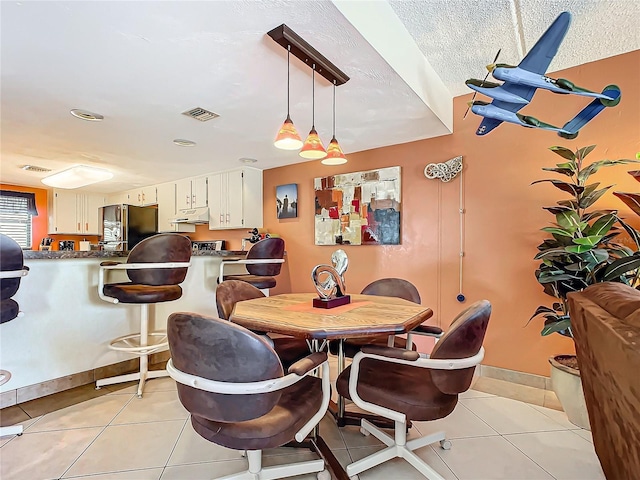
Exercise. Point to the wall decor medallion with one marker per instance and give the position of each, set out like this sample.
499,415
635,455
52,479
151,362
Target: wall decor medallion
360,208
329,282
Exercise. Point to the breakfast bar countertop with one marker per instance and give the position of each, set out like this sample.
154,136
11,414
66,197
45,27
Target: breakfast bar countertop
65,254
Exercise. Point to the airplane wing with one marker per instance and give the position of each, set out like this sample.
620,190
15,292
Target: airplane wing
540,56
487,125
523,91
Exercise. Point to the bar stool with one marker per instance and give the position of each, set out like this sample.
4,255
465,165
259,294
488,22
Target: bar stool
156,266
12,269
264,262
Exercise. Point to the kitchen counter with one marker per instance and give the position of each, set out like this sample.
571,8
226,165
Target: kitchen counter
65,254
66,327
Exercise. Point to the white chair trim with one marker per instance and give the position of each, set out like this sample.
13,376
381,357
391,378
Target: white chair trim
257,261
14,273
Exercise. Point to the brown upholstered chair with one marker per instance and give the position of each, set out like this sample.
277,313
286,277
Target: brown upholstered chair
156,266
605,319
12,269
404,385
230,292
388,287
233,383
263,262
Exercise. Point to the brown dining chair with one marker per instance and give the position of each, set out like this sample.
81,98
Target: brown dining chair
234,386
230,292
263,263
403,385
156,266
387,287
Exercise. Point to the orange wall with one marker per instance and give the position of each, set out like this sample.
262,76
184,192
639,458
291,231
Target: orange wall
503,212
39,223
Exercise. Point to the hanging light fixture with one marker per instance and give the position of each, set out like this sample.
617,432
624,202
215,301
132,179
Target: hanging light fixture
313,148
335,155
288,137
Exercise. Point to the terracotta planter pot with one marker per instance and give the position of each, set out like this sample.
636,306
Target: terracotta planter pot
567,385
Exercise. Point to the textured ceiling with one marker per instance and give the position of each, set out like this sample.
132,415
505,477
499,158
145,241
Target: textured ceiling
140,64
460,37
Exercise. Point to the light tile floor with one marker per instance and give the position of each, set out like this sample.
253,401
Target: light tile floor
118,436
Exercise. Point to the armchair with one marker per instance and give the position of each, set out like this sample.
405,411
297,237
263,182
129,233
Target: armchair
155,267
263,262
233,384
404,385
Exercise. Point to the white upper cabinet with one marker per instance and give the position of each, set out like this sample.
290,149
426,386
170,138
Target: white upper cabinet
167,210
74,213
142,196
191,193
235,199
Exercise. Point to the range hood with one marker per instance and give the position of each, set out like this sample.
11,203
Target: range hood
193,216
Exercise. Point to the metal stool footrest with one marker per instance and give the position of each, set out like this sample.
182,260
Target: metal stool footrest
131,343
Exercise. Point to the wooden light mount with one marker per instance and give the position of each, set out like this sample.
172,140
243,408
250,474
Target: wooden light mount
300,49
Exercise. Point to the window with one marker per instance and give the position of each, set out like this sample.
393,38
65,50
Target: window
16,210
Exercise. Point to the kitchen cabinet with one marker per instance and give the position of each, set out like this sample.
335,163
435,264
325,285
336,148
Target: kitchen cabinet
118,198
74,213
142,196
167,210
191,193
235,199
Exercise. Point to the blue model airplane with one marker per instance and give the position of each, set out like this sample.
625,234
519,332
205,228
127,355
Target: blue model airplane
521,82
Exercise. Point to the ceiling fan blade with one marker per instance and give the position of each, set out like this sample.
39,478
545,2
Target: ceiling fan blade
469,105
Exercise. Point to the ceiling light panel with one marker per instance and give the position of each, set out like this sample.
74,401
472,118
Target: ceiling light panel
77,176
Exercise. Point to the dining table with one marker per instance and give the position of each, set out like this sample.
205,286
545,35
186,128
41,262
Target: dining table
366,316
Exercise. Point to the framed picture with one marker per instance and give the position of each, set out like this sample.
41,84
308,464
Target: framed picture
287,200
360,208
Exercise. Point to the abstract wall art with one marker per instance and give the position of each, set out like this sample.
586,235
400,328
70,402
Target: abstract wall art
360,208
287,200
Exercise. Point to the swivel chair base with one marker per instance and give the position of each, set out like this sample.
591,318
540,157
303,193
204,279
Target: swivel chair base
398,447
12,430
257,472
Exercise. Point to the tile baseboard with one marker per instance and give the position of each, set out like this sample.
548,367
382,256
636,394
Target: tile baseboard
513,376
57,385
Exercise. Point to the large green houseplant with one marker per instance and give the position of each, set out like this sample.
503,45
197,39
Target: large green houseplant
582,250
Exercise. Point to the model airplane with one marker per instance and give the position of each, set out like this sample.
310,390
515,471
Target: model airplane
521,82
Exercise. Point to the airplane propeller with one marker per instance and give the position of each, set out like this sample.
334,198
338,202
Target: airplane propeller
490,68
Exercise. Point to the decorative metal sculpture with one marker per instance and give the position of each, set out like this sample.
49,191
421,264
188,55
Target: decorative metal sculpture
446,171
329,281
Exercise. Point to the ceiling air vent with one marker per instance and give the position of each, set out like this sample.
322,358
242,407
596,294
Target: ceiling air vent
34,168
200,114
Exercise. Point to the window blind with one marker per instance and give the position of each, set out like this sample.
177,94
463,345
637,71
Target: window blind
15,219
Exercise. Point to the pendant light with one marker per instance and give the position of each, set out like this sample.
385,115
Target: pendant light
288,137
313,148
335,156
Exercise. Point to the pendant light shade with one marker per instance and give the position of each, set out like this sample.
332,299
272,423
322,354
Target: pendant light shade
313,148
335,155
288,137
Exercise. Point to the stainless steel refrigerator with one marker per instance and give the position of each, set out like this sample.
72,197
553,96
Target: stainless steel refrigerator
124,226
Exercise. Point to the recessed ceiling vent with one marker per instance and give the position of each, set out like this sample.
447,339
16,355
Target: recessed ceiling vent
200,114
34,168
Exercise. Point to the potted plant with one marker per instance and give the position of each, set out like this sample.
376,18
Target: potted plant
581,251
